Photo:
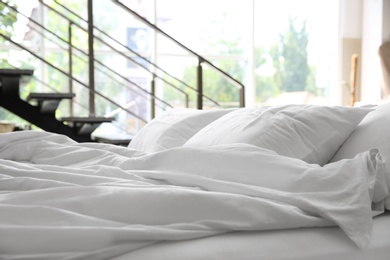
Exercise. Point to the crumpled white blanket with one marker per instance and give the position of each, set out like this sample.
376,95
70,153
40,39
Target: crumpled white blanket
65,200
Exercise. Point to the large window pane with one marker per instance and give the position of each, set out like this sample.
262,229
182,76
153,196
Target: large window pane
296,50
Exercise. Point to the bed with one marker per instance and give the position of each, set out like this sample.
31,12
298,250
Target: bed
281,182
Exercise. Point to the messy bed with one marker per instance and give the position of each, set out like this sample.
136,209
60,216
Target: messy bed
283,182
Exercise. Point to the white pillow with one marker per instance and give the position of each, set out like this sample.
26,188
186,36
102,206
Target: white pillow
173,128
307,132
372,132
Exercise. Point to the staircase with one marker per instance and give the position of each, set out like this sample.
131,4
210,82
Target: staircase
42,108
42,114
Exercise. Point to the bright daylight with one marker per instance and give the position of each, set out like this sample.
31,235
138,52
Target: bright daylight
279,55
182,129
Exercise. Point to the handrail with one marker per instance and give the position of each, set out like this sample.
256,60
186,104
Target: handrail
83,52
102,71
80,27
137,54
78,81
200,58
117,51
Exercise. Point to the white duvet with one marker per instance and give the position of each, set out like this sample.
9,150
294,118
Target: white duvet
64,200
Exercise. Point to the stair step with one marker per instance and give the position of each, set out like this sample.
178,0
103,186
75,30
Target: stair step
86,125
10,80
49,102
30,113
109,140
16,72
88,119
45,96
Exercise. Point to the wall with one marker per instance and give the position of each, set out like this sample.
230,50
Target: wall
365,26
371,41
386,21
351,18
350,44
386,38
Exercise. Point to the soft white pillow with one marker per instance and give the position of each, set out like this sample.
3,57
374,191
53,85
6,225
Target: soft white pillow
173,128
307,132
372,132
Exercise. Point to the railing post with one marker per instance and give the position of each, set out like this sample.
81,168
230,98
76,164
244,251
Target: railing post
200,85
187,101
70,51
91,60
242,96
153,101
42,47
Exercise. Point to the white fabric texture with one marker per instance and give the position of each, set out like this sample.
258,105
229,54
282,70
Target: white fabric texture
307,132
173,128
372,132
289,244
61,199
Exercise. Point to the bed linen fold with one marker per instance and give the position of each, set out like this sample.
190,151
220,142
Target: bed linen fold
56,193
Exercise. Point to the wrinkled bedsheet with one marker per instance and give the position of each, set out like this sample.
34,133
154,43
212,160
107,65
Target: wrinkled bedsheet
66,200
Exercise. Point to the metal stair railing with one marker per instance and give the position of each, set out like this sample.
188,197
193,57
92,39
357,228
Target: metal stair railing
76,80
83,52
139,56
154,75
71,47
200,60
71,53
